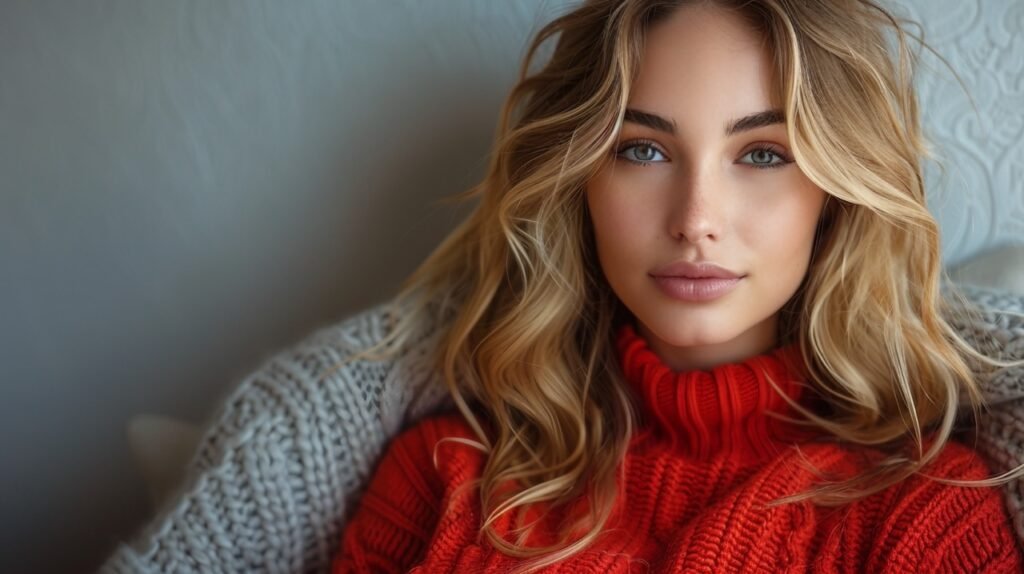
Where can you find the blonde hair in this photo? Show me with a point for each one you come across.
(526, 316)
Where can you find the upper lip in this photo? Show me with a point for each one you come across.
(696, 270)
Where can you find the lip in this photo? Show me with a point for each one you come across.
(697, 281)
(687, 289)
(696, 270)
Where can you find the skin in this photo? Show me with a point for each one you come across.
(702, 196)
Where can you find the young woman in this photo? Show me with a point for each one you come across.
(695, 322)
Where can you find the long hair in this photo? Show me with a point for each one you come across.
(526, 317)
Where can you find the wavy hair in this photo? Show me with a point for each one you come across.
(526, 317)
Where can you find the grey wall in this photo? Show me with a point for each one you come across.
(186, 187)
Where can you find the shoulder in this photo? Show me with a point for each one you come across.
(961, 457)
(941, 527)
(923, 501)
(431, 431)
(441, 449)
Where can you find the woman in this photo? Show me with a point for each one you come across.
(695, 322)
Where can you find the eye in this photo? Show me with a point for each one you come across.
(643, 152)
(762, 157)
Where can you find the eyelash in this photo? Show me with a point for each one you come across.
(761, 147)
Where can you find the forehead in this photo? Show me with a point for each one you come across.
(704, 65)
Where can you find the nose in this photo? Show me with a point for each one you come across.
(697, 209)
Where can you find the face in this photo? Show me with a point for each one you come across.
(695, 186)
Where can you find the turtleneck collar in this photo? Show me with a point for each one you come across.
(721, 411)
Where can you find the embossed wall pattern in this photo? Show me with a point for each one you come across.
(979, 200)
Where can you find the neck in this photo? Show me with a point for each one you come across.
(730, 409)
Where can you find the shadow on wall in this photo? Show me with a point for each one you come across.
(351, 220)
(394, 225)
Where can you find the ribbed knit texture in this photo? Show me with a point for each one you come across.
(696, 476)
(288, 452)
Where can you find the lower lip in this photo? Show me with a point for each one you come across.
(706, 289)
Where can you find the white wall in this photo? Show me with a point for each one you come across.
(979, 202)
(186, 187)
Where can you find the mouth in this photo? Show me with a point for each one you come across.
(696, 288)
(694, 270)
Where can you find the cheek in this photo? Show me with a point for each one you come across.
(618, 223)
(618, 234)
(785, 227)
(621, 224)
(601, 204)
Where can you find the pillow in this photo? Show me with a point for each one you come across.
(1001, 269)
(162, 447)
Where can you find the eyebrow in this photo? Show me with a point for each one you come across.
(746, 123)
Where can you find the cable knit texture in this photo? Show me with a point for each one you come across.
(696, 476)
(287, 454)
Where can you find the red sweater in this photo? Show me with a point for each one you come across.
(694, 473)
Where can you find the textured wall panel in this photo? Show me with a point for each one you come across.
(979, 200)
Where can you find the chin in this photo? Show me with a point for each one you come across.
(678, 333)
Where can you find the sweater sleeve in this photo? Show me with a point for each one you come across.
(399, 512)
(935, 527)
(998, 331)
(285, 459)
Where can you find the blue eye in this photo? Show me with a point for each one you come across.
(762, 156)
(645, 156)
(644, 153)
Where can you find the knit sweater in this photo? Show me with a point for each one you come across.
(287, 454)
(696, 475)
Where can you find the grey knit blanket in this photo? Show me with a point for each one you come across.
(286, 456)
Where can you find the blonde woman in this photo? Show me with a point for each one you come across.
(695, 322)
